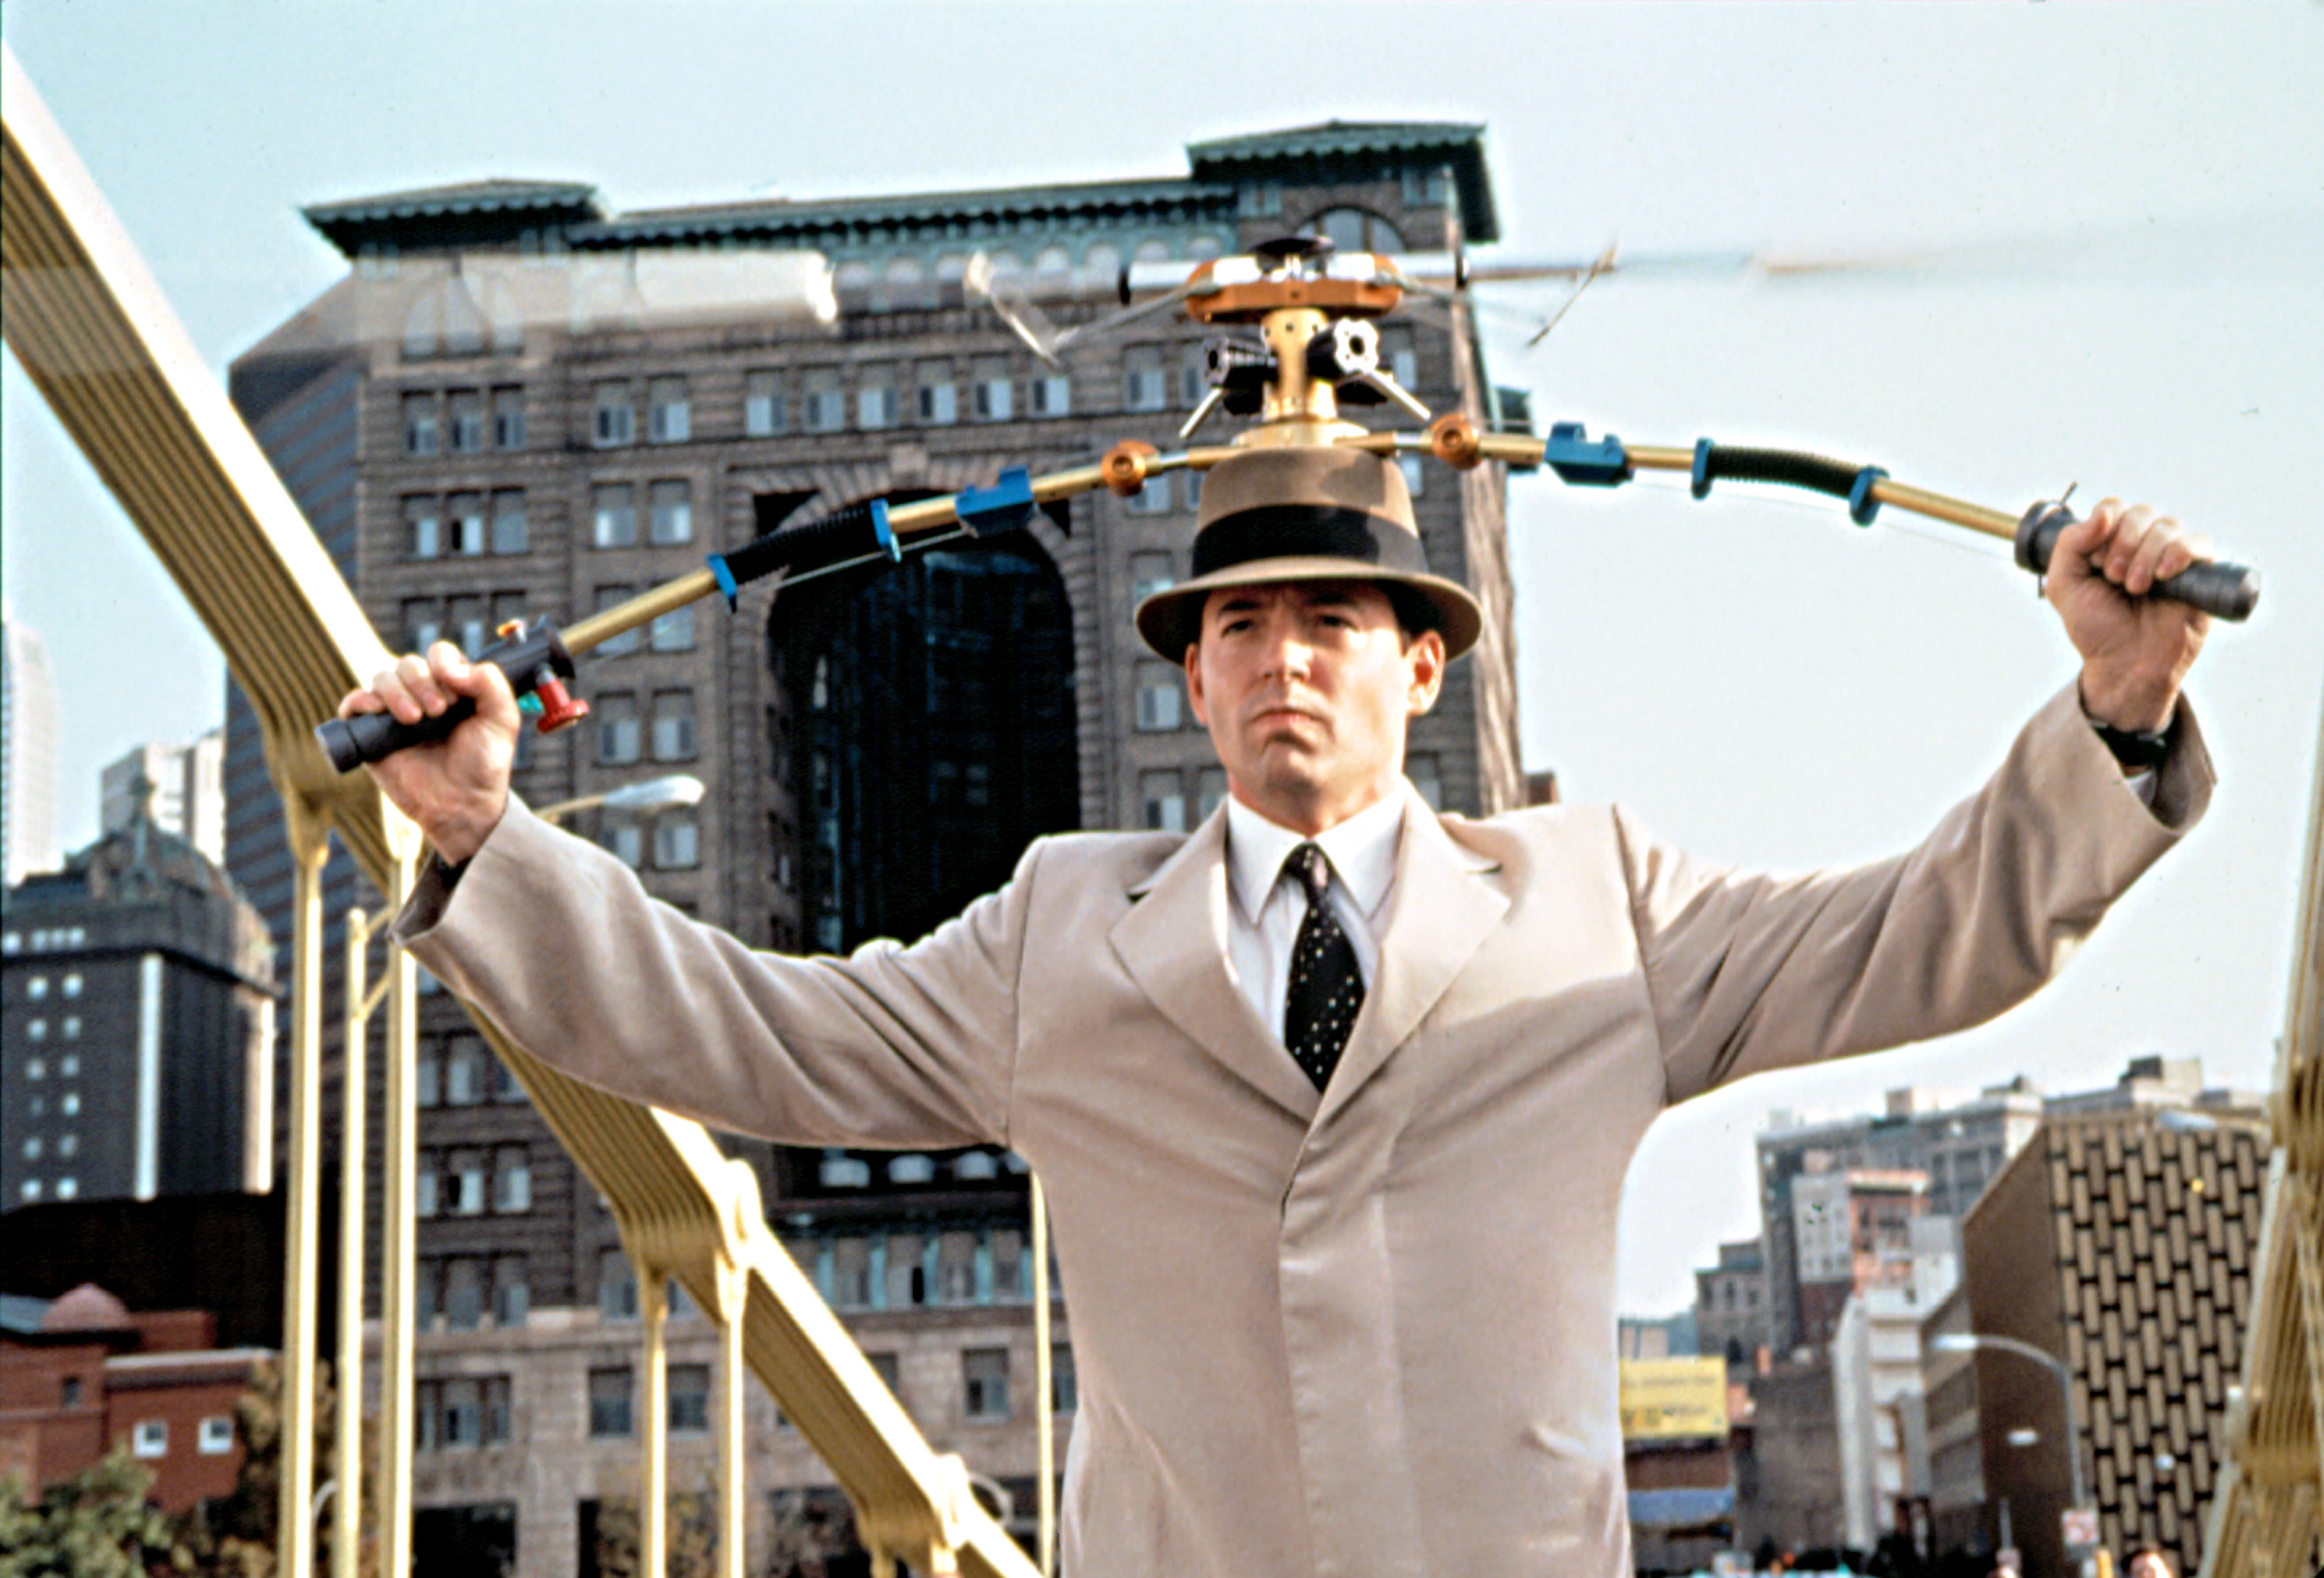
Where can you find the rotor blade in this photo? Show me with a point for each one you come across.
(1605, 261)
(1013, 305)
(1113, 320)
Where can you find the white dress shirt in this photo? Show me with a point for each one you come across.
(1263, 921)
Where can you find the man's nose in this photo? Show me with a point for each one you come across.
(1288, 651)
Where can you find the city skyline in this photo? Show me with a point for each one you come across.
(1865, 681)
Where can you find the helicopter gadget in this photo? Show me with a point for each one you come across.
(1297, 345)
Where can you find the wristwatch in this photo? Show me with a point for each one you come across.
(2138, 750)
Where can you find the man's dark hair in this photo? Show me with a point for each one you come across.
(1414, 613)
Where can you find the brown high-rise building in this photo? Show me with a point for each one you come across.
(2122, 1244)
(877, 747)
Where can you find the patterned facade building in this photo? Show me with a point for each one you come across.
(877, 748)
(2122, 1243)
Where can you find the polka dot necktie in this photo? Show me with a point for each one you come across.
(1326, 987)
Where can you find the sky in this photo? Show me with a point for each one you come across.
(2098, 233)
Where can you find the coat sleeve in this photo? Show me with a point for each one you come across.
(891, 1047)
(1751, 971)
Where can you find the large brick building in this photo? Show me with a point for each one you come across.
(878, 749)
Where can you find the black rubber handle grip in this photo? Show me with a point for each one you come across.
(373, 736)
(2224, 591)
(528, 655)
(858, 532)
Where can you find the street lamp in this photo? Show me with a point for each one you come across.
(643, 798)
(1969, 1341)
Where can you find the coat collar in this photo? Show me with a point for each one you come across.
(1174, 943)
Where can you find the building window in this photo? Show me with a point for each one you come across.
(1159, 696)
(690, 1399)
(30, 1188)
(512, 1179)
(957, 1267)
(1194, 376)
(1399, 357)
(614, 516)
(617, 1286)
(764, 413)
(985, 1374)
(626, 842)
(422, 432)
(825, 407)
(507, 418)
(875, 398)
(69, 1027)
(995, 390)
(673, 513)
(670, 419)
(851, 1273)
(151, 1438)
(464, 1294)
(1162, 796)
(68, 1392)
(678, 842)
(70, 986)
(614, 422)
(36, 989)
(1010, 1269)
(1143, 385)
(467, 427)
(673, 725)
(465, 522)
(1356, 230)
(423, 529)
(613, 596)
(609, 1402)
(1065, 1390)
(1153, 499)
(616, 716)
(512, 1291)
(1425, 187)
(673, 632)
(427, 1077)
(1053, 395)
(69, 1066)
(215, 1437)
(463, 1403)
(939, 396)
(511, 532)
(1416, 475)
(907, 1281)
(1258, 199)
(425, 1201)
(464, 1060)
(839, 1170)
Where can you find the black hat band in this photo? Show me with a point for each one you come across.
(1307, 532)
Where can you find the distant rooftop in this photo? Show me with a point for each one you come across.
(559, 215)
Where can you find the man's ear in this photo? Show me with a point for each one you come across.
(1425, 657)
(1194, 698)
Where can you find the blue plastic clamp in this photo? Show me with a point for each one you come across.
(1004, 506)
(885, 535)
(717, 562)
(1580, 460)
(1701, 484)
(1861, 506)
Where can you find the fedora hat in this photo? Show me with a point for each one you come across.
(1305, 512)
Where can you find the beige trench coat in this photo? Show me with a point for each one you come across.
(1366, 1331)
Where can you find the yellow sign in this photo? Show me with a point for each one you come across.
(1665, 1399)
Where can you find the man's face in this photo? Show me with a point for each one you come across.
(1305, 688)
(2147, 1564)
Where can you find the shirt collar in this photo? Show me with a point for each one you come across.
(1361, 850)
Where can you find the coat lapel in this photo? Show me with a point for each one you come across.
(1439, 912)
(1174, 943)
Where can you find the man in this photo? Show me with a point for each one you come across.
(1332, 1097)
(2148, 1561)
